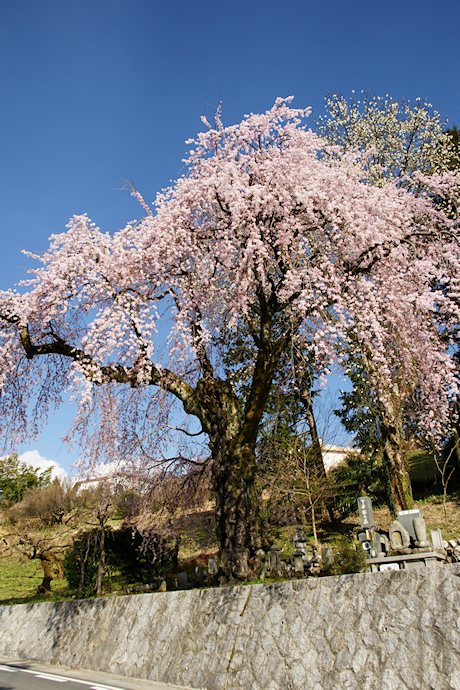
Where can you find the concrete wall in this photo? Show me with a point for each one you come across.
(374, 630)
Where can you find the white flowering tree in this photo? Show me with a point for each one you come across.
(399, 138)
(264, 241)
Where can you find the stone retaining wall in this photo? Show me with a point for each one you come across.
(383, 630)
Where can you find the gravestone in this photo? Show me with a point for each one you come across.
(182, 580)
(421, 540)
(366, 514)
(406, 518)
(381, 544)
(298, 556)
(300, 544)
(274, 559)
(314, 565)
(436, 540)
(212, 565)
(399, 537)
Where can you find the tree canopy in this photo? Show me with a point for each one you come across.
(269, 238)
(16, 477)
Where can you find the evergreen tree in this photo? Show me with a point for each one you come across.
(16, 477)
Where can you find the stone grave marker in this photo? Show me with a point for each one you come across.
(182, 580)
(274, 558)
(421, 541)
(436, 540)
(406, 519)
(399, 537)
(298, 556)
(212, 565)
(301, 544)
(366, 514)
(381, 544)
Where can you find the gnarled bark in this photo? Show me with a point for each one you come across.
(232, 444)
(48, 562)
(45, 585)
(395, 461)
(237, 530)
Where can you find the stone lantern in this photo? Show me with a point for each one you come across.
(298, 557)
(274, 559)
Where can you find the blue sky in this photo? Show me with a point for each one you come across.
(95, 92)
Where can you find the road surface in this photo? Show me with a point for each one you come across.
(28, 675)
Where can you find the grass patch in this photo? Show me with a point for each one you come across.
(422, 468)
(19, 580)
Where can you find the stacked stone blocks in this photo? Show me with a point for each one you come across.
(391, 630)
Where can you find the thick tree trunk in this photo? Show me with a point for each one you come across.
(395, 461)
(233, 428)
(232, 443)
(236, 519)
(45, 586)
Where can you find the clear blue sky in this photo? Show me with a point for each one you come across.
(97, 91)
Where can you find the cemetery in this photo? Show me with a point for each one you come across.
(404, 546)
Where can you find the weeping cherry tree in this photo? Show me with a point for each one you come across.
(265, 241)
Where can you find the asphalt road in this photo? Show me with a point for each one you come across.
(29, 675)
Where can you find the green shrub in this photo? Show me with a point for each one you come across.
(359, 475)
(16, 477)
(81, 561)
(126, 551)
(137, 558)
(348, 560)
